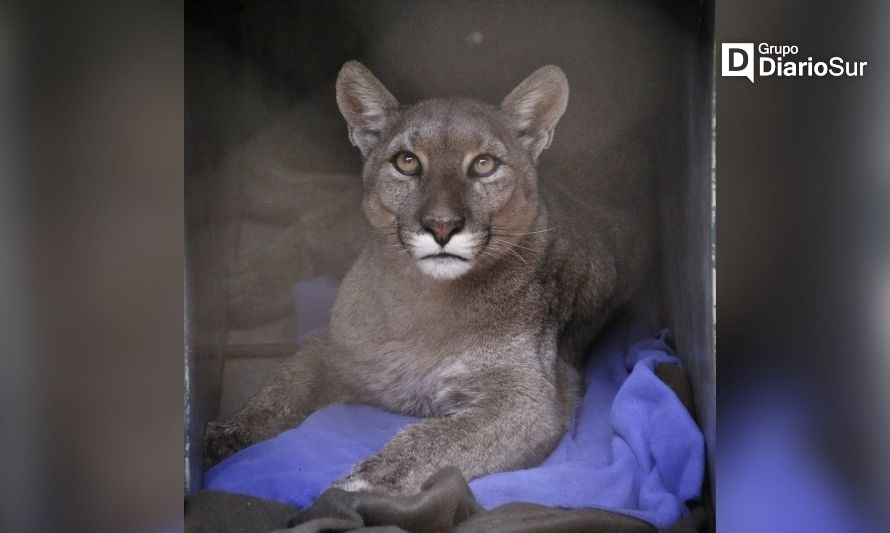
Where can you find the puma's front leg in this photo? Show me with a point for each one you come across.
(298, 387)
(514, 425)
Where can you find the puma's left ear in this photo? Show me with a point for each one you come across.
(536, 105)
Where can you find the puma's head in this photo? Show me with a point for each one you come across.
(451, 181)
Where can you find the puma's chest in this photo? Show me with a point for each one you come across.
(415, 352)
(398, 377)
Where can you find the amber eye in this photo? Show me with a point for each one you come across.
(484, 165)
(406, 163)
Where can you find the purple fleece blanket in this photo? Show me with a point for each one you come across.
(633, 449)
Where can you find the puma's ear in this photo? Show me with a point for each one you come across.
(535, 107)
(365, 104)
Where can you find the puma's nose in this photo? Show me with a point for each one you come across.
(443, 229)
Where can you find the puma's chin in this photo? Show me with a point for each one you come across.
(449, 261)
(444, 266)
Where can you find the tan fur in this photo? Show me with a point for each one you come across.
(485, 345)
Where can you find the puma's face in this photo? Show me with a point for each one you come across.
(446, 177)
(451, 182)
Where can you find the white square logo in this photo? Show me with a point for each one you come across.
(738, 60)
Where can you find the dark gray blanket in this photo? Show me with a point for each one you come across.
(445, 504)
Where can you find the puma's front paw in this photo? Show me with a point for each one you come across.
(352, 484)
(221, 440)
(381, 476)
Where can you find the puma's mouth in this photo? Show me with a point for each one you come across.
(444, 265)
(444, 255)
(450, 261)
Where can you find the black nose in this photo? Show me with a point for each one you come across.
(443, 228)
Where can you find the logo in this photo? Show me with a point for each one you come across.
(738, 60)
(778, 61)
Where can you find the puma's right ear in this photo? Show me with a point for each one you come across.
(536, 105)
(365, 104)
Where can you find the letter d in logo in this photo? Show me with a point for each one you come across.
(738, 60)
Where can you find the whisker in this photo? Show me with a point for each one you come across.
(519, 234)
(510, 250)
(517, 245)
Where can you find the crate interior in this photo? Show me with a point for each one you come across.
(273, 188)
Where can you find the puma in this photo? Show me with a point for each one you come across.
(475, 300)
